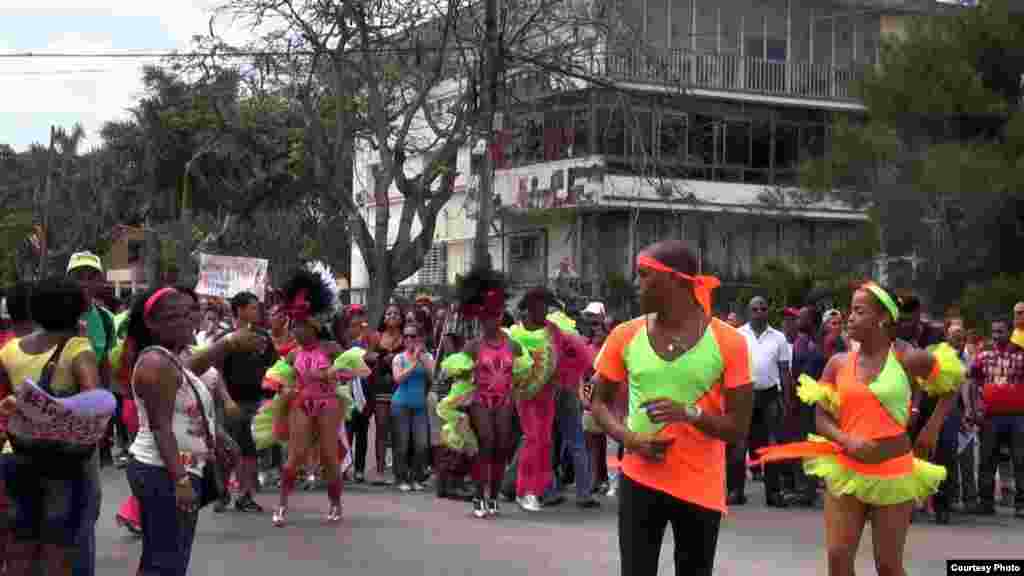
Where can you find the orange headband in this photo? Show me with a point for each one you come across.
(702, 285)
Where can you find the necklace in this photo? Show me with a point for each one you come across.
(676, 342)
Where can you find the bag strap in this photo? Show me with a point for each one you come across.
(51, 366)
(207, 435)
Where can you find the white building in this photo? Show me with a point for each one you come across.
(701, 139)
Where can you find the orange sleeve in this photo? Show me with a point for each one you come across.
(735, 355)
(610, 363)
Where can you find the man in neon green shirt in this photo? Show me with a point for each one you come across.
(98, 324)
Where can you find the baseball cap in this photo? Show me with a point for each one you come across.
(596, 308)
(791, 312)
(85, 260)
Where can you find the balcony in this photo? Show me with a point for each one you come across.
(729, 72)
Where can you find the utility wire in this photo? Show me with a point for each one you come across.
(230, 53)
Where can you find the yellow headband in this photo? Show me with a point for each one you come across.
(885, 299)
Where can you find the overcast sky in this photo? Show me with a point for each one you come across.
(39, 92)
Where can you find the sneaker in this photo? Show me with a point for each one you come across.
(359, 477)
(405, 487)
(222, 505)
(479, 508)
(530, 503)
(280, 516)
(245, 503)
(588, 503)
(417, 487)
(493, 508)
(334, 513)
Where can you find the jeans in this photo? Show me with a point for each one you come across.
(412, 432)
(570, 421)
(85, 564)
(644, 513)
(995, 431)
(167, 533)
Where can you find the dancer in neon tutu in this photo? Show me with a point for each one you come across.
(485, 375)
(866, 456)
(315, 409)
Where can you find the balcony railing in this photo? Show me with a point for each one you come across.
(734, 73)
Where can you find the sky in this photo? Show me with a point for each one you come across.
(41, 92)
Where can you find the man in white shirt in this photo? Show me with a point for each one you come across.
(771, 355)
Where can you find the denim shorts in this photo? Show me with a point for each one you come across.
(42, 509)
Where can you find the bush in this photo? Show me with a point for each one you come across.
(983, 301)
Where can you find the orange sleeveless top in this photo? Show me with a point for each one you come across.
(862, 415)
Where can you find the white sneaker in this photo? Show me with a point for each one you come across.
(417, 487)
(530, 503)
(405, 487)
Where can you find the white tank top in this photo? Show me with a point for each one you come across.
(187, 421)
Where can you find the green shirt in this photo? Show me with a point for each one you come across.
(98, 334)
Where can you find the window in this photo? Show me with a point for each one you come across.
(581, 132)
(754, 47)
(435, 266)
(533, 139)
(701, 141)
(761, 153)
(737, 143)
(640, 129)
(812, 141)
(672, 137)
(612, 139)
(556, 134)
(787, 144)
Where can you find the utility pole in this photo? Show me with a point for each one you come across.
(44, 208)
(488, 100)
(185, 242)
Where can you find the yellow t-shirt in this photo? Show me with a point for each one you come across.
(1018, 337)
(20, 366)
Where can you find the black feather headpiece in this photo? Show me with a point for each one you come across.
(307, 295)
(482, 291)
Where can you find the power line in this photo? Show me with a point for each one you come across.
(231, 54)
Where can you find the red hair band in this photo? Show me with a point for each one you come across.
(147, 309)
(702, 285)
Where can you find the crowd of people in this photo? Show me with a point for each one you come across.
(875, 411)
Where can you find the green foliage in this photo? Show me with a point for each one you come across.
(15, 227)
(983, 301)
(939, 153)
(785, 284)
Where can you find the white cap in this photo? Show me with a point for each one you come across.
(595, 308)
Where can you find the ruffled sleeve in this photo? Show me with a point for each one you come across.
(563, 322)
(534, 368)
(813, 392)
(344, 392)
(456, 432)
(280, 376)
(353, 361)
(947, 374)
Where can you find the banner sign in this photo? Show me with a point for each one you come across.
(225, 276)
(80, 419)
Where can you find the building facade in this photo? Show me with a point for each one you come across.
(697, 134)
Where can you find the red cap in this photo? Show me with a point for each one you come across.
(791, 312)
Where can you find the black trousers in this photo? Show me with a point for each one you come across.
(945, 448)
(996, 431)
(359, 436)
(644, 514)
(765, 430)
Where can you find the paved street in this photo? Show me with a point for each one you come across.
(388, 534)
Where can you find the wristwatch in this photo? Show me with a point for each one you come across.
(693, 413)
(183, 481)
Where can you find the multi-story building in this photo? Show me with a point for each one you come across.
(697, 133)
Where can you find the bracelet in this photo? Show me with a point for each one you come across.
(693, 413)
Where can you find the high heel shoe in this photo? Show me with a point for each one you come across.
(280, 516)
(334, 513)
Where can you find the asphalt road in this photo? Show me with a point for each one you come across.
(390, 534)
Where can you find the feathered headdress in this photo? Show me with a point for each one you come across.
(306, 295)
(482, 292)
